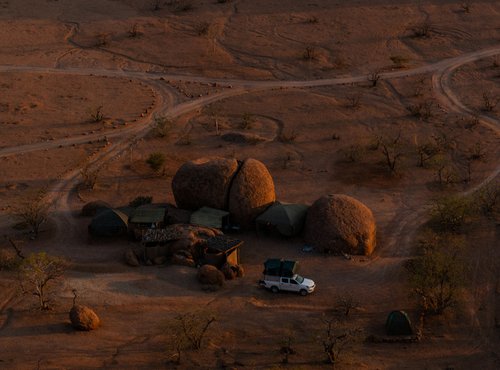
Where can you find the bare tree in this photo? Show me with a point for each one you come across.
(33, 212)
(162, 126)
(335, 340)
(187, 331)
(36, 273)
(392, 150)
(346, 303)
(437, 276)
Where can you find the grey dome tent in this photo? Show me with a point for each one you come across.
(287, 218)
(110, 222)
(398, 323)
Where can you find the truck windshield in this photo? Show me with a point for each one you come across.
(299, 279)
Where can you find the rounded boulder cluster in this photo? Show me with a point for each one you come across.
(245, 189)
(341, 224)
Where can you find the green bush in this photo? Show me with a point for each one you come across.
(450, 213)
(156, 161)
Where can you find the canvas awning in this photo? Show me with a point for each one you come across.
(209, 217)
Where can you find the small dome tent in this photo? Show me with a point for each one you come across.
(398, 323)
(110, 222)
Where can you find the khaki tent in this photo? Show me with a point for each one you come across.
(110, 222)
(287, 218)
(210, 217)
(398, 323)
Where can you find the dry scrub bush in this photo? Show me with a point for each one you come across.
(346, 303)
(353, 100)
(450, 213)
(399, 60)
(422, 110)
(33, 212)
(353, 153)
(489, 102)
(392, 149)
(423, 30)
(96, 114)
(336, 339)
(37, 272)
(374, 78)
(134, 31)
(202, 28)
(187, 331)
(162, 126)
(310, 53)
(156, 161)
(89, 176)
(437, 276)
(488, 198)
(247, 120)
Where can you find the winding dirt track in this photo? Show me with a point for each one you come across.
(442, 72)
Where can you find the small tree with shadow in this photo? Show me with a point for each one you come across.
(33, 212)
(187, 331)
(162, 126)
(335, 340)
(36, 274)
(392, 149)
(450, 213)
(346, 303)
(437, 276)
(96, 114)
(374, 78)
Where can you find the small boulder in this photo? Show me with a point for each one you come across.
(131, 259)
(229, 271)
(210, 275)
(84, 318)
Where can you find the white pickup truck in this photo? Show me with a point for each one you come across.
(296, 283)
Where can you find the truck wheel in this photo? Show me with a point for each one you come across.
(274, 289)
(303, 292)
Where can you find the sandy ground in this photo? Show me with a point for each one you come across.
(295, 77)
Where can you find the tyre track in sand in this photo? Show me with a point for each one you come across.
(399, 242)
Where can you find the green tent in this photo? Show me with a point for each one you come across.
(210, 217)
(398, 323)
(109, 222)
(287, 218)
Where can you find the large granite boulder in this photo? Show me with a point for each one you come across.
(341, 224)
(204, 182)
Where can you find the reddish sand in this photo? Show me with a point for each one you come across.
(294, 78)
